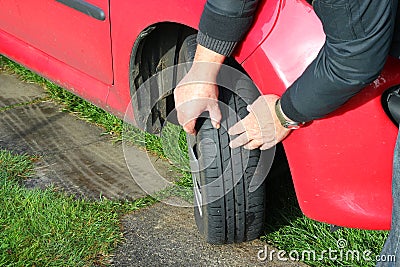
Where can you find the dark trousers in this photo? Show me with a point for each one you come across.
(390, 255)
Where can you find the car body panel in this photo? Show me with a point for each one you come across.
(128, 23)
(341, 165)
(64, 75)
(64, 33)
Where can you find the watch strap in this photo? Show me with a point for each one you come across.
(289, 124)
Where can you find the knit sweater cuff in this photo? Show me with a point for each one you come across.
(290, 111)
(221, 47)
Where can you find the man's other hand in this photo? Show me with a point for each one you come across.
(261, 127)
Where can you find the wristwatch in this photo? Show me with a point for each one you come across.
(286, 122)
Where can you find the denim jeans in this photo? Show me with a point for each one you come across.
(392, 244)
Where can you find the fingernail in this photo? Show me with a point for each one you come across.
(217, 126)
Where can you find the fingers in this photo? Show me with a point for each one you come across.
(239, 141)
(251, 133)
(215, 115)
(253, 144)
(189, 127)
(260, 128)
(188, 119)
(192, 98)
(267, 146)
(239, 129)
(236, 129)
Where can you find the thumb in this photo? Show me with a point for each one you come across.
(215, 115)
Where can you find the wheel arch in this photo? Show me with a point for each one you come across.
(156, 48)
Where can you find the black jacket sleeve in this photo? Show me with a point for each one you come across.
(224, 23)
(358, 38)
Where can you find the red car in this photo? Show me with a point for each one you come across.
(103, 50)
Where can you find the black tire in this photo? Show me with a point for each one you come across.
(229, 198)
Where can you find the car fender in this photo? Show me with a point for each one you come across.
(341, 165)
(130, 19)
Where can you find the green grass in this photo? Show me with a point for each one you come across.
(171, 146)
(303, 234)
(290, 230)
(69, 101)
(48, 228)
(287, 228)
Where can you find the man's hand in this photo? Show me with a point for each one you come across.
(198, 92)
(193, 96)
(261, 127)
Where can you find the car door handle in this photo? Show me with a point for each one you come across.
(85, 7)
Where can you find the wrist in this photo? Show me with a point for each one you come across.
(204, 54)
(206, 65)
(284, 120)
(203, 72)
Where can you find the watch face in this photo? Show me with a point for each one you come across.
(293, 127)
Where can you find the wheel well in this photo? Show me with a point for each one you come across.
(156, 48)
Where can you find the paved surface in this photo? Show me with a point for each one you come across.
(14, 91)
(75, 157)
(163, 235)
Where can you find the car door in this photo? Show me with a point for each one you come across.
(76, 32)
